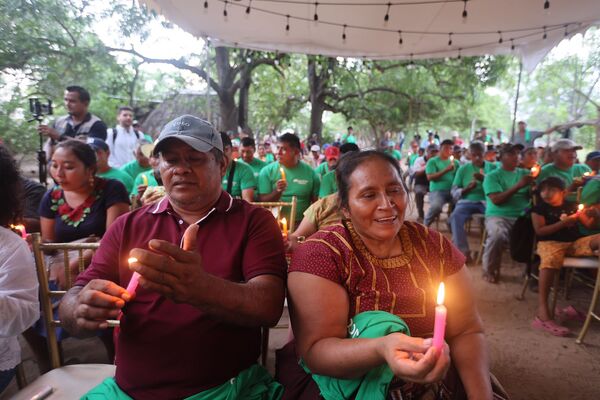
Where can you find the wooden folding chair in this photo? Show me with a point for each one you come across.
(276, 208)
(71, 381)
(592, 308)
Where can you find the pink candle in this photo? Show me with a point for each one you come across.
(440, 319)
(133, 282)
(20, 228)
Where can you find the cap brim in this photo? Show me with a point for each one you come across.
(194, 143)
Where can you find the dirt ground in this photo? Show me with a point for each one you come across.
(530, 364)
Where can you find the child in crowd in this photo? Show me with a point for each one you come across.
(555, 222)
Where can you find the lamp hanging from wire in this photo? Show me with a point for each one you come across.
(500, 40)
(205, 3)
(512, 44)
(546, 4)
(225, 9)
(400, 41)
(465, 13)
(249, 6)
(450, 39)
(344, 34)
(459, 55)
(566, 30)
(316, 16)
(287, 23)
(387, 13)
(545, 33)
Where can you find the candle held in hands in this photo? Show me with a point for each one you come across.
(440, 319)
(284, 228)
(535, 170)
(282, 173)
(133, 282)
(21, 229)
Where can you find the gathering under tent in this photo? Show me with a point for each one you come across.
(386, 30)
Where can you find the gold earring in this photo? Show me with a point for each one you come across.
(91, 180)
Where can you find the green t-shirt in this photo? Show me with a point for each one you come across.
(436, 164)
(139, 180)
(500, 180)
(412, 158)
(302, 182)
(119, 175)
(394, 153)
(133, 169)
(590, 195)
(576, 171)
(269, 158)
(243, 178)
(464, 176)
(256, 165)
(328, 185)
(322, 169)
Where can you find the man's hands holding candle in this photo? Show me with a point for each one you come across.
(172, 271)
(98, 301)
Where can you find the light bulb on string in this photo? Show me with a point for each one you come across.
(249, 6)
(225, 9)
(566, 30)
(316, 16)
(464, 13)
(387, 13)
(205, 4)
(450, 39)
(287, 24)
(400, 41)
(545, 34)
(512, 44)
(344, 34)
(459, 55)
(547, 6)
(500, 40)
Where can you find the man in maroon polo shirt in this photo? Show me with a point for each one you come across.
(194, 321)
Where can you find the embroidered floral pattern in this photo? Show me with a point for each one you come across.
(75, 216)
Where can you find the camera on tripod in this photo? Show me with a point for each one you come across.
(38, 109)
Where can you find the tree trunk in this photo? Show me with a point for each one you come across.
(316, 119)
(229, 112)
(319, 73)
(243, 100)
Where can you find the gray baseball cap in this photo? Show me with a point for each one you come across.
(565, 144)
(195, 132)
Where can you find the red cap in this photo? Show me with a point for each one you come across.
(332, 152)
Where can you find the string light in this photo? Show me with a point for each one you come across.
(316, 16)
(287, 23)
(545, 33)
(450, 39)
(248, 8)
(566, 30)
(400, 41)
(464, 13)
(344, 34)
(546, 4)
(411, 59)
(512, 44)
(387, 13)
(205, 3)
(459, 56)
(500, 40)
(225, 9)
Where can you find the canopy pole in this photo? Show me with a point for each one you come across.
(514, 122)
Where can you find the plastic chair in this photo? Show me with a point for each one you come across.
(71, 381)
(276, 207)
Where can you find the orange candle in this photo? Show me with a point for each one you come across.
(284, 228)
(282, 173)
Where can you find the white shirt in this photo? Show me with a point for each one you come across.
(19, 305)
(122, 150)
(418, 165)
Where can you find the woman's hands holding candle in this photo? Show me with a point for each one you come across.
(414, 359)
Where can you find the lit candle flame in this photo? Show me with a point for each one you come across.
(586, 174)
(21, 229)
(282, 173)
(580, 207)
(440, 295)
(131, 260)
(284, 228)
(451, 158)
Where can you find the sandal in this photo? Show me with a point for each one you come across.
(569, 313)
(550, 326)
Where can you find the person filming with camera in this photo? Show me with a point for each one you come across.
(77, 122)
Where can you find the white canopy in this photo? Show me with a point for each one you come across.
(358, 28)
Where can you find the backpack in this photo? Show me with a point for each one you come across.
(522, 239)
(138, 134)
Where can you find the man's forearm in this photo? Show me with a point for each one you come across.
(275, 195)
(437, 175)
(247, 304)
(503, 197)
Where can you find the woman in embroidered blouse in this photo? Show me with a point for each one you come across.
(81, 204)
(374, 260)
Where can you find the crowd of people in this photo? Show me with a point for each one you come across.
(362, 281)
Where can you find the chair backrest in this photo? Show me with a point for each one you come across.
(46, 295)
(276, 206)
